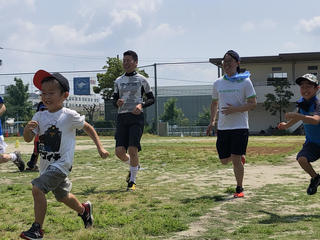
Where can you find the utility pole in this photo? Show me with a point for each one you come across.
(156, 99)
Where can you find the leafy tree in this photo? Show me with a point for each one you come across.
(90, 110)
(278, 102)
(172, 114)
(204, 117)
(106, 80)
(16, 101)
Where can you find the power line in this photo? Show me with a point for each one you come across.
(54, 54)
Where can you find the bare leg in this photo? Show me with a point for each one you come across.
(121, 153)
(40, 205)
(238, 169)
(306, 166)
(5, 158)
(134, 159)
(72, 202)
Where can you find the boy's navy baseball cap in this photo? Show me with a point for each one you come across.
(309, 77)
(42, 74)
(233, 54)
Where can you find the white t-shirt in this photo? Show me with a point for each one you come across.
(130, 89)
(57, 133)
(236, 94)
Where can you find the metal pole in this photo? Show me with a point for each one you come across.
(156, 99)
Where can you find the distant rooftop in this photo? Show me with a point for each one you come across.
(282, 57)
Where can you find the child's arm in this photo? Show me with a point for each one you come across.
(315, 119)
(94, 136)
(28, 134)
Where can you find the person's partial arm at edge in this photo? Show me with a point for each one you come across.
(213, 114)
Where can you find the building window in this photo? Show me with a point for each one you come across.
(274, 77)
(312, 68)
(276, 69)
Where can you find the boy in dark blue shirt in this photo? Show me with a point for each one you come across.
(309, 113)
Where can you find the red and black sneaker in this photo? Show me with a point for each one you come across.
(87, 214)
(239, 192)
(35, 232)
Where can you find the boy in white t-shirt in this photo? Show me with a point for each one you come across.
(56, 128)
(233, 95)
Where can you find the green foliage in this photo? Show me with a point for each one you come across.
(16, 101)
(278, 102)
(204, 117)
(106, 80)
(172, 114)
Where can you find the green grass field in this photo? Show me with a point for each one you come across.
(181, 194)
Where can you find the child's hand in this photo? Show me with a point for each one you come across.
(282, 125)
(103, 153)
(31, 125)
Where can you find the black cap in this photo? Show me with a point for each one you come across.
(42, 74)
(233, 54)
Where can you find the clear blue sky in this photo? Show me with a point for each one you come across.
(65, 35)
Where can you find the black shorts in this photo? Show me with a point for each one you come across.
(233, 141)
(129, 130)
(310, 151)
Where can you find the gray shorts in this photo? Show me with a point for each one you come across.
(53, 179)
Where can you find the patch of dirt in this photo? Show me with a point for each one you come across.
(255, 177)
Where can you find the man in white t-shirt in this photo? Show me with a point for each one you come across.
(56, 128)
(233, 96)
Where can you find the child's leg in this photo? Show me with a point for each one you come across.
(40, 205)
(306, 166)
(5, 158)
(72, 202)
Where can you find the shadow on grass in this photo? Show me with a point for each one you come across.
(274, 218)
(215, 198)
(92, 190)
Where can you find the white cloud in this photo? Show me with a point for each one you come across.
(290, 46)
(65, 35)
(311, 25)
(124, 15)
(248, 27)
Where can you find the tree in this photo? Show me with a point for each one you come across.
(16, 101)
(172, 114)
(280, 101)
(204, 117)
(90, 109)
(106, 80)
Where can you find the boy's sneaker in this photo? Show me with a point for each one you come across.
(19, 162)
(131, 186)
(129, 175)
(314, 183)
(87, 214)
(239, 192)
(35, 232)
(243, 159)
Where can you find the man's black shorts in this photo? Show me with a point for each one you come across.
(129, 130)
(232, 141)
(310, 151)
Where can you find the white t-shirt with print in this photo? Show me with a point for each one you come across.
(57, 133)
(236, 94)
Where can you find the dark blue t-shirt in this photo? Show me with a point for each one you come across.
(312, 108)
